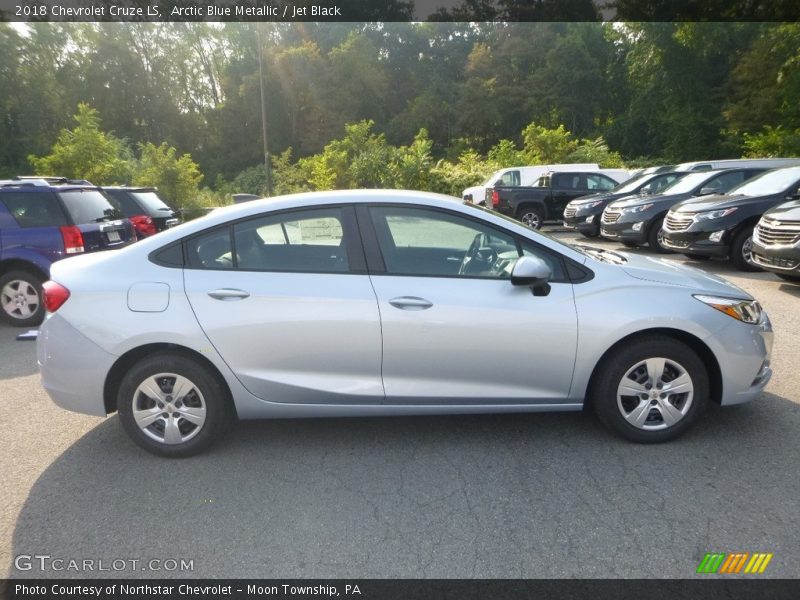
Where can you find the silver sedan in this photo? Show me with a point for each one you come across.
(359, 303)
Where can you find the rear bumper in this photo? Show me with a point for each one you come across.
(73, 367)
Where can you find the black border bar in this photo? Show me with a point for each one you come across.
(398, 10)
(730, 588)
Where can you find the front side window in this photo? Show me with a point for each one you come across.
(415, 241)
(34, 209)
(569, 181)
(510, 178)
(600, 182)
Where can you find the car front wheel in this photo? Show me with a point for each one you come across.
(172, 406)
(651, 390)
(742, 251)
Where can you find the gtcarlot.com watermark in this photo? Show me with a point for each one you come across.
(45, 562)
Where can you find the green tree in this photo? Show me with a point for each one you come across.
(177, 177)
(86, 152)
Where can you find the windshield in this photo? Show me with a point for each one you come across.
(88, 206)
(630, 186)
(771, 182)
(688, 183)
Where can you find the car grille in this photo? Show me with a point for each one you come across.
(777, 233)
(678, 221)
(611, 215)
(670, 243)
(570, 212)
(772, 261)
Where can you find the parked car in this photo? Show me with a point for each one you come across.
(722, 225)
(243, 312)
(584, 213)
(637, 221)
(144, 207)
(738, 163)
(519, 176)
(546, 201)
(43, 221)
(776, 241)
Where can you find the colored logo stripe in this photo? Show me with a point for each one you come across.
(720, 562)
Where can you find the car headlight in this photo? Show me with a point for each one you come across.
(747, 311)
(637, 209)
(713, 214)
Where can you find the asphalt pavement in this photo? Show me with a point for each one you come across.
(531, 496)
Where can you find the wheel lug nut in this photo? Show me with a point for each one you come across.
(160, 405)
(645, 396)
(653, 403)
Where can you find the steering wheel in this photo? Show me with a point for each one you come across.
(477, 255)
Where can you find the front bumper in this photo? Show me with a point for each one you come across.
(73, 367)
(778, 259)
(696, 242)
(577, 220)
(623, 231)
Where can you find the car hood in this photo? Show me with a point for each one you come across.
(591, 198)
(660, 270)
(789, 211)
(475, 190)
(638, 199)
(718, 201)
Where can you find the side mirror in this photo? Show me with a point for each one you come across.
(532, 272)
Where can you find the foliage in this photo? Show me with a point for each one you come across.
(772, 142)
(86, 152)
(177, 177)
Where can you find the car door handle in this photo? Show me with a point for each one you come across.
(228, 294)
(410, 303)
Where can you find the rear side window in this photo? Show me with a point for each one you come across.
(212, 250)
(600, 182)
(125, 203)
(88, 206)
(34, 209)
(569, 181)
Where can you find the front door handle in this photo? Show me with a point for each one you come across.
(228, 294)
(410, 303)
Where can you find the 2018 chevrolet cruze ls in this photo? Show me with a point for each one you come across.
(357, 303)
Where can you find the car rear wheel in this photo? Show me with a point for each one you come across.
(655, 238)
(742, 251)
(651, 390)
(172, 406)
(21, 299)
(531, 216)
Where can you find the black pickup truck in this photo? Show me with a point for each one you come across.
(533, 205)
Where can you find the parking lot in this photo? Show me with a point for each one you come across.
(508, 496)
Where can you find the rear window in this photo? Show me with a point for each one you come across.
(88, 206)
(34, 209)
(151, 201)
(125, 203)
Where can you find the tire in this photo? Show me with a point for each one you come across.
(696, 256)
(787, 277)
(630, 244)
(654, 236)
(741, 251)
(649, 420)
(147, 389)
(531, 216)
(21, 299)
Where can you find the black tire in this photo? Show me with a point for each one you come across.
(530, 215)
(612, 372)
(739, 248)
(696, 256)
(630, 244)
(206, 391)
(654, 235)
(19, 285)
(787, 277)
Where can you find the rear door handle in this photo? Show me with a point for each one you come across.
(228, 294)
(410, 303)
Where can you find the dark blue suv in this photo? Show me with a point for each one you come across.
(43, 220)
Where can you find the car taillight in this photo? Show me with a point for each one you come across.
(495, 198)
(73, 239)
(55, 295)
(144, 225)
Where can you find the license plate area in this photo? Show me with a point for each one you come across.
(113, 236)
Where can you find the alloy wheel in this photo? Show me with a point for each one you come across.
(19, 299)
(531, 219)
